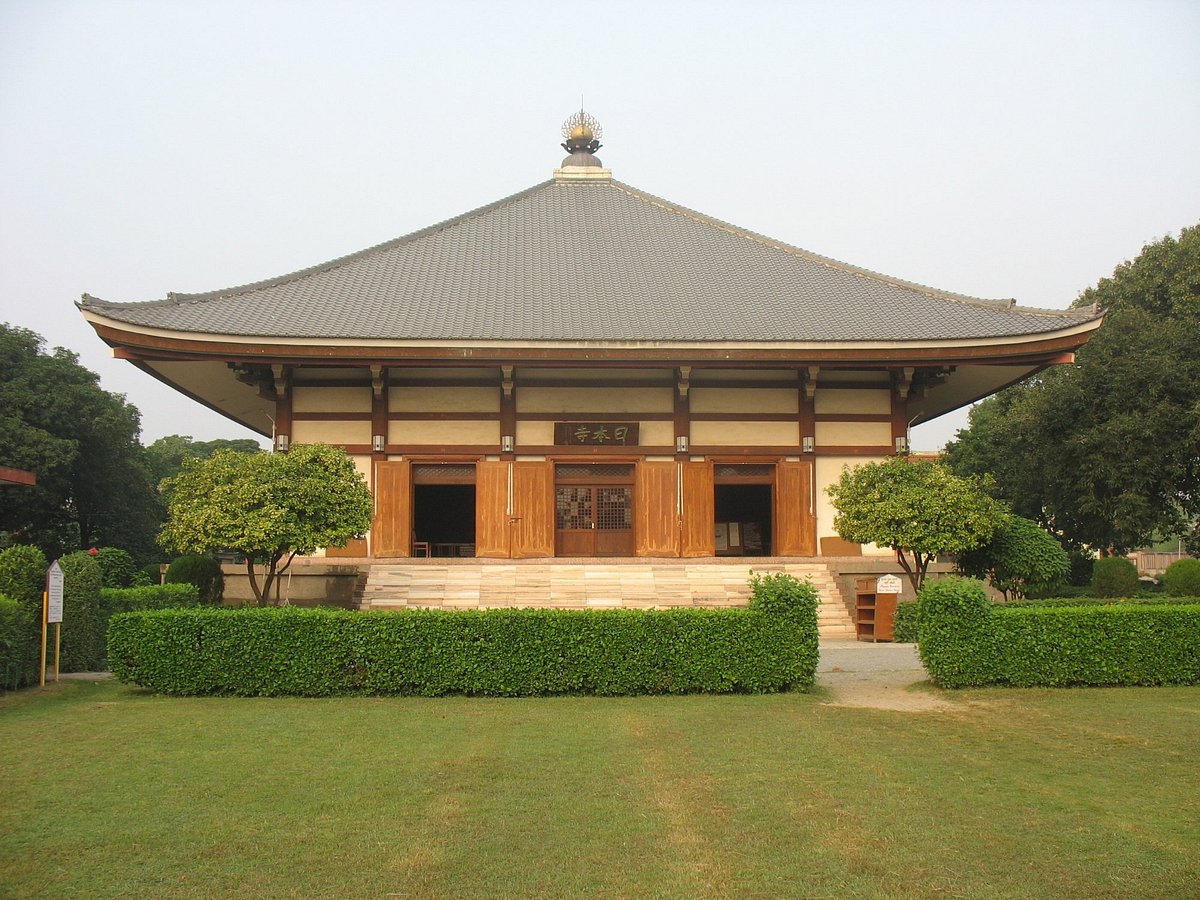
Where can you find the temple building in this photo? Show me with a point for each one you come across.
(584, 369)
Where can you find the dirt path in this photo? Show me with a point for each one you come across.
(876, 676)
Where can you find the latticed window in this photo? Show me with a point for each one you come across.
(614, 508)
(589, 472)
(738, 470)
(573, 508)
(436, 473)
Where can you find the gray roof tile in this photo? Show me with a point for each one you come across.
(588, 261)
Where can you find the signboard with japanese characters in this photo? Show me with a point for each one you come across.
(596, 434)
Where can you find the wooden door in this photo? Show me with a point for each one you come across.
(533, 509)
(391, 532)
(656, 511)
(491, 509)
(795, 517)
(575, 520)
(696, 536)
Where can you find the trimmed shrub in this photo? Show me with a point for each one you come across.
(1114, 576)
(117, 568)
(151, 596)
(953, 637)
(82, 626)
(906, 622)
(1182, 578)
(202, 571)
(267, 651)
(13, 638)
(151, 574)
(23, 579)
(1022, 556)
(967, 642)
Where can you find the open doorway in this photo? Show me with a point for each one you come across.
(742, 509)
(443, 510)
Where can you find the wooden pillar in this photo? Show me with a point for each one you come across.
(683, 409)
(283, 402)
(508, 409)
(379, 410)
(902, 381)
(808, 395)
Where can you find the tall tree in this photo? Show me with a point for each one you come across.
(1107, 452)
(93, 486)
(166, 455)
(267, 506)
(917, 507)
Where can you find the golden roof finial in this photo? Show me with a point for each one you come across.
(581, 132)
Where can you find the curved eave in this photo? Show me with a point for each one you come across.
(197, 364)
(160, 343)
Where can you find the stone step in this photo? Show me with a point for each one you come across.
(589, 585)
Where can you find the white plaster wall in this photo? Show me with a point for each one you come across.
(331, 432)
(748, 400)
(750, 434)
(451, 431)
(853, 434)
(656, 434)
(594, 400)
(331, 399)
(538, 434)
(852, 400)
(444, 399)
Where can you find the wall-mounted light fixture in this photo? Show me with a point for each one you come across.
(378, 443)
(681, 444)
(507, 443)
(901, 445)
(281, 443)
(808, 443)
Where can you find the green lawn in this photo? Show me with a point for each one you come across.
(107, 791)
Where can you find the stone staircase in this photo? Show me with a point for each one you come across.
(591, 584)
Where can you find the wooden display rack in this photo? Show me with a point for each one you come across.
(874, 613)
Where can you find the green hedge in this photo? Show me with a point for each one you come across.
(13, 640)
(1182, 578)
(908, 616)
(150, 596)
(966, 641)
(250, 651)
(906, 622)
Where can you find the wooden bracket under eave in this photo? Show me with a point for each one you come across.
(281, 375)
(378, 380)
(506, 380)
(902, 380)
(684, 382)
(808, 380)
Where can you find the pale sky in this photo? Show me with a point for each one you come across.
(1015, 149)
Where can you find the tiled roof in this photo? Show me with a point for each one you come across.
(588, 261)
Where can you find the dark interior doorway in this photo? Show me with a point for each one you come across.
(743, 519)
(444, 510)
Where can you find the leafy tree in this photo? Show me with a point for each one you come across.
(917, 507)
(165, 456)
(268, 506)
(93, 488)
(1020, 557)
(1104, 452)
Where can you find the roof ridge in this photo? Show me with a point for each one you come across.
(830, 262)
(174, 298)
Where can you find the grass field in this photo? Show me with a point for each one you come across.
(107, 791)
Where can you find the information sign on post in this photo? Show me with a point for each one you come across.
(888, 584)
(54, 592)
(52, 612)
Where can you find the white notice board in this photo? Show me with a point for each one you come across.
(54, 593)
(887, 584)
